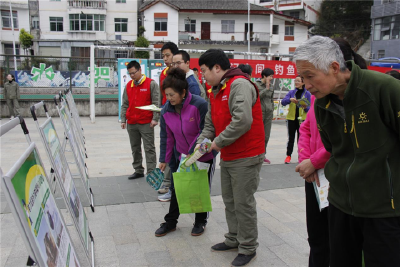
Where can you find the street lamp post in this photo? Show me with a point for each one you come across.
(12, 29)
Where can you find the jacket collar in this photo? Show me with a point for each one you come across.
(189, 73)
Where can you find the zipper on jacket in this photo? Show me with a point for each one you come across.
(390, 182)
(180, 117)
(353, 129)
(348, 185)
(345, 126)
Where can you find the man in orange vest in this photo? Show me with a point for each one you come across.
(141, 91)
(234, 123)
(168, 50)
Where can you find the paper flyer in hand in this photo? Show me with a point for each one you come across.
(303, 102)
(321, 191)
(150, 108)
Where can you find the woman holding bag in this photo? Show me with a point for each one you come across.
(181, 122)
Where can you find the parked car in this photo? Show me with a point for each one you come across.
(394, 64)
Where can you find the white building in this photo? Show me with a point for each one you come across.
(20, 14)
(69, 27)
(307, 10)
(204, 24)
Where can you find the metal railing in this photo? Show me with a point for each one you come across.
(99, 4)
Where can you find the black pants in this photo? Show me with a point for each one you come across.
(292, 127)
(173, 214)
(318, 230)
(379, 238)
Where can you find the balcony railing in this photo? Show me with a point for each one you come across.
(99, 4)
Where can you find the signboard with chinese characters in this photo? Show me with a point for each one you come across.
(282, 69)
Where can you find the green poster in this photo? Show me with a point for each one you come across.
(64, 174)
(41, 213)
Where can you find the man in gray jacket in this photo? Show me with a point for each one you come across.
(267, 103)
(12, 94)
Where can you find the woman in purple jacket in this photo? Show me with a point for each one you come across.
(181, 122)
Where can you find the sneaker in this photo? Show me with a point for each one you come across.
(166, 197)
(243, 260)
(164, 229)
(222, 247)
(163, 189)
(287, 160)
(267, 161)
(198, 228)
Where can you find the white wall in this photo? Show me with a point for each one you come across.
(173, 20)
(300, 35)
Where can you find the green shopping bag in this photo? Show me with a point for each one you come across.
(192, 190)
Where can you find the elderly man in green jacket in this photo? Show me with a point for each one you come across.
(11, 94)
(358, 116)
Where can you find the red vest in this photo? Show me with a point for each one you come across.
(163, 75)
(250, 144)
(139, 95)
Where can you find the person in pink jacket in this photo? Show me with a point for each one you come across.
(312, 157)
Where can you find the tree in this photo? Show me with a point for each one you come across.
(350, 20)
(25, 40)
(141, 41)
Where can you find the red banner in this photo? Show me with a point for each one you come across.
(380, 69)
(282, 69)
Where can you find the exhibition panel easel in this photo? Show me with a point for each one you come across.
(33, 206)
(62, 172)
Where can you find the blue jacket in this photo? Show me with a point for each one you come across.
(182, 129)
(292, 107)
(194, 88)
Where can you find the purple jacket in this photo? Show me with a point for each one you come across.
(182, 129)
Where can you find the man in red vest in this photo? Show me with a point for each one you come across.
(168, 50)
(234, 123)
(141, 91)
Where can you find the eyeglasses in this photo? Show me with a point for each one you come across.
(133, 73)
(176, 63)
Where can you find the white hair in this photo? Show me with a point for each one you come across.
(321, 52)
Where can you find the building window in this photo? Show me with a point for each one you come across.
(56, 24)
(160, 24)
(6, 19)
(227, 26)
(381, 53)
(190, 25)
(83, 22)
(9, 49)
(275, 29)
(387, 28)
(121, 1)
(295, 14)
(121, 54)
(157, 55)
(121, 25)
(35, 23)
(80, 51)
(289, 28)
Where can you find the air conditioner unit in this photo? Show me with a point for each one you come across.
(118, 37)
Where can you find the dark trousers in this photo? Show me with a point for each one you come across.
(292, 128)
(379, 238)
(318, 230)
(173, 214)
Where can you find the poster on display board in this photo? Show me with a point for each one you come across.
(124, 78)
(63, 173)
(33, 203)
(156, 66)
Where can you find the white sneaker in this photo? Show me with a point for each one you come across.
(166, 197)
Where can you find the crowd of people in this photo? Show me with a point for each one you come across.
(347, 121)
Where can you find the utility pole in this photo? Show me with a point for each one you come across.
(12, 28)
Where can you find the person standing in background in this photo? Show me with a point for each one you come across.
(267, 103)
(296, 113)
(141, 91)
(12, 94)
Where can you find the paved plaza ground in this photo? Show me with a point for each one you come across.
(127, 212)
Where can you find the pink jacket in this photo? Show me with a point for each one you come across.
(310, 145)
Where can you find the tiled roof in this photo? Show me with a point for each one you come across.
(207, 4)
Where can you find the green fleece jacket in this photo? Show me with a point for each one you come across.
(364, 168)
